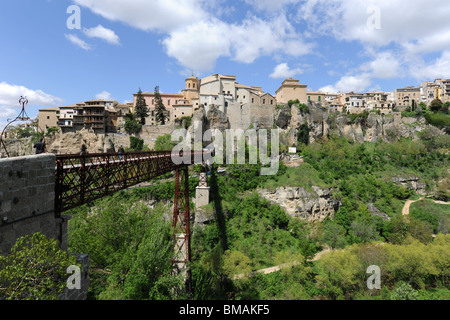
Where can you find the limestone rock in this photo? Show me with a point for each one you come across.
(217, 119)
(411, 183)
(296, 201)
(284, 117)
(375, 212)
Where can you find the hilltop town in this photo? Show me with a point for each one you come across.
(221, 102)
(225, 93)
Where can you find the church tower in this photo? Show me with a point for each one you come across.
(192, 91)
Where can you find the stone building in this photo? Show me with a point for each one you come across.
(291, 89)
(48, 118)
(404, 97)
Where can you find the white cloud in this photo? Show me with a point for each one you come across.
(10, 95)
(256, 37)
(401, 21)
(196, 37)
(104, 95)
(282, 71)
(199, 45)
(439, 68)
(358, 83)
(78, 42)
(102, 33)
(385, 66)
(155, 15)
(409, 30)
(270, 5)
(9, 100)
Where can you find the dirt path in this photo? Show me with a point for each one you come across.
(405, 210)
(282, 266)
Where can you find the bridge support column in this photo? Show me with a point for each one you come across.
(202, 192)
(181, 227)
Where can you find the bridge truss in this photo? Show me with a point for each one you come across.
(81, 179)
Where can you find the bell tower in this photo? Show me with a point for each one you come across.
(192, 90)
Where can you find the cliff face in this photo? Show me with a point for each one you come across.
(372, 128)
(289, 120)
(297, 202)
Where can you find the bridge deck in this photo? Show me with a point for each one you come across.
(82, 179)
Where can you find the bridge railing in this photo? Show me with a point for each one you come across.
(83, 178)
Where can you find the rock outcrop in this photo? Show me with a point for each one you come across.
(375, 212)
(370, 128)
(297, 202)
(411, 183)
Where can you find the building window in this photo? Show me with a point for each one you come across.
(168, 102)
(48, 117)
(253, 100)
(320, 98)
(193, 85)
(264, 101)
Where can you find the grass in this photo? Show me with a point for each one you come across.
(304, 176)
(437, 215)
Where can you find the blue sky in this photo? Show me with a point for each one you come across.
(330, 45)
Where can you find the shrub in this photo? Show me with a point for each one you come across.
(136, 143)
(35, 269)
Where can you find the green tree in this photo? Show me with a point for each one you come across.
(35, 269)
(161, 111)
(364, 231)
(436, 105)
(141, 109)
(131, 125)
(164, 143)
(404, 291)
(136, 144)
(334, 235)
(132, 242)
(303, 134)
(236, 263)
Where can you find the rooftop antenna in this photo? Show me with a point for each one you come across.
(23, 116)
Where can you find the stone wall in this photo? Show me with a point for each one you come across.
(150, 133)
(244, 116)
(27, 200)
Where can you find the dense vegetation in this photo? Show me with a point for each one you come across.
(130, 244)
(130, 248)
(35, 269)
(250, 234)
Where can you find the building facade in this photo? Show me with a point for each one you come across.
(404, 97)
(48, 118)
(291, 89)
